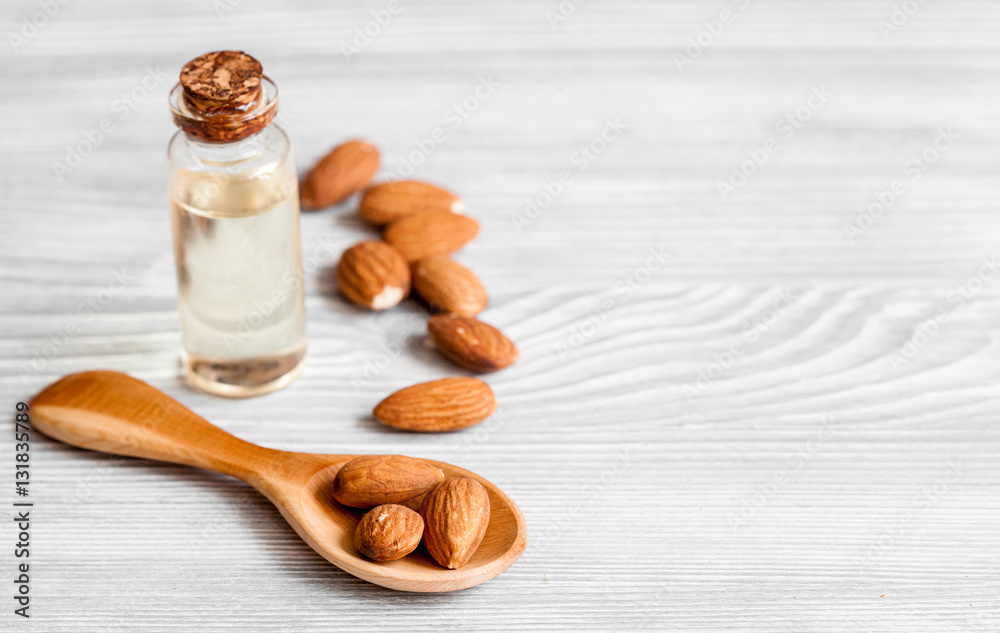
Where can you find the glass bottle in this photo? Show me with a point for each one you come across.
(234, 207)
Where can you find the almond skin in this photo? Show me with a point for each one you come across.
(388, 532)
(389, 201)
(374, 275)
(456, 514)
(371, 480)
(429, 233)
(345, 170)
(447, 286)
(440, 405)
(470, 343)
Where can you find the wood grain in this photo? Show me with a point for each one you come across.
(816, 484)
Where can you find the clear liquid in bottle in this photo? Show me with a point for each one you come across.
(239, 278)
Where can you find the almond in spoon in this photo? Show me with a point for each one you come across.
(388, 532)
(456, 514)
(470, 343)
(440, 405)
(371, 480)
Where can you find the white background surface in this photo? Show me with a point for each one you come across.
(732, 510)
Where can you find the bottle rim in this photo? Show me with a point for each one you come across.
(224, 127)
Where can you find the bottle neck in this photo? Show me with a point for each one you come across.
(239, 151)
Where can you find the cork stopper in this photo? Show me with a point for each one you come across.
(222, 97)
(223, 80)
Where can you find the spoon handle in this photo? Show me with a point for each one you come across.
(112, 412)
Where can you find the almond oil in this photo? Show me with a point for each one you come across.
(234, 205)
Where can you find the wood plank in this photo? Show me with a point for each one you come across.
(841, 472)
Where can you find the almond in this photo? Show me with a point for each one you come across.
(345, 170)
(440, 405)
(430, 233)
(456, 514)
(390, 201)
(470, 343)
(388, 532)
(447, 286)
(374, 275)
(371, 480)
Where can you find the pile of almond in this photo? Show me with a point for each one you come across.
(421, 226)
(452, 520)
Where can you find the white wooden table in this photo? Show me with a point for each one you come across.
(838, 472)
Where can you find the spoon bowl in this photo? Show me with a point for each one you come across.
(114, 413)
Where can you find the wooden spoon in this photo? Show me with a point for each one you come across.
(111, 412)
